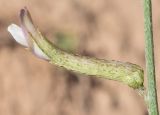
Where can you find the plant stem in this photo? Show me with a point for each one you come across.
(149, 55)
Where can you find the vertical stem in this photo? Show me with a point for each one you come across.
(149, 54)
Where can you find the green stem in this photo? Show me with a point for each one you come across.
(149, 54)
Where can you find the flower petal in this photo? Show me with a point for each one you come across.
(17, 34)
(39, 53)
(27, 23)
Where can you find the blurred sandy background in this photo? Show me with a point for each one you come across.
(108, 29)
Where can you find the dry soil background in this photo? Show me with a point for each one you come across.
(108, 29)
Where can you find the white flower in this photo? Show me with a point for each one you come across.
(19, 36)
